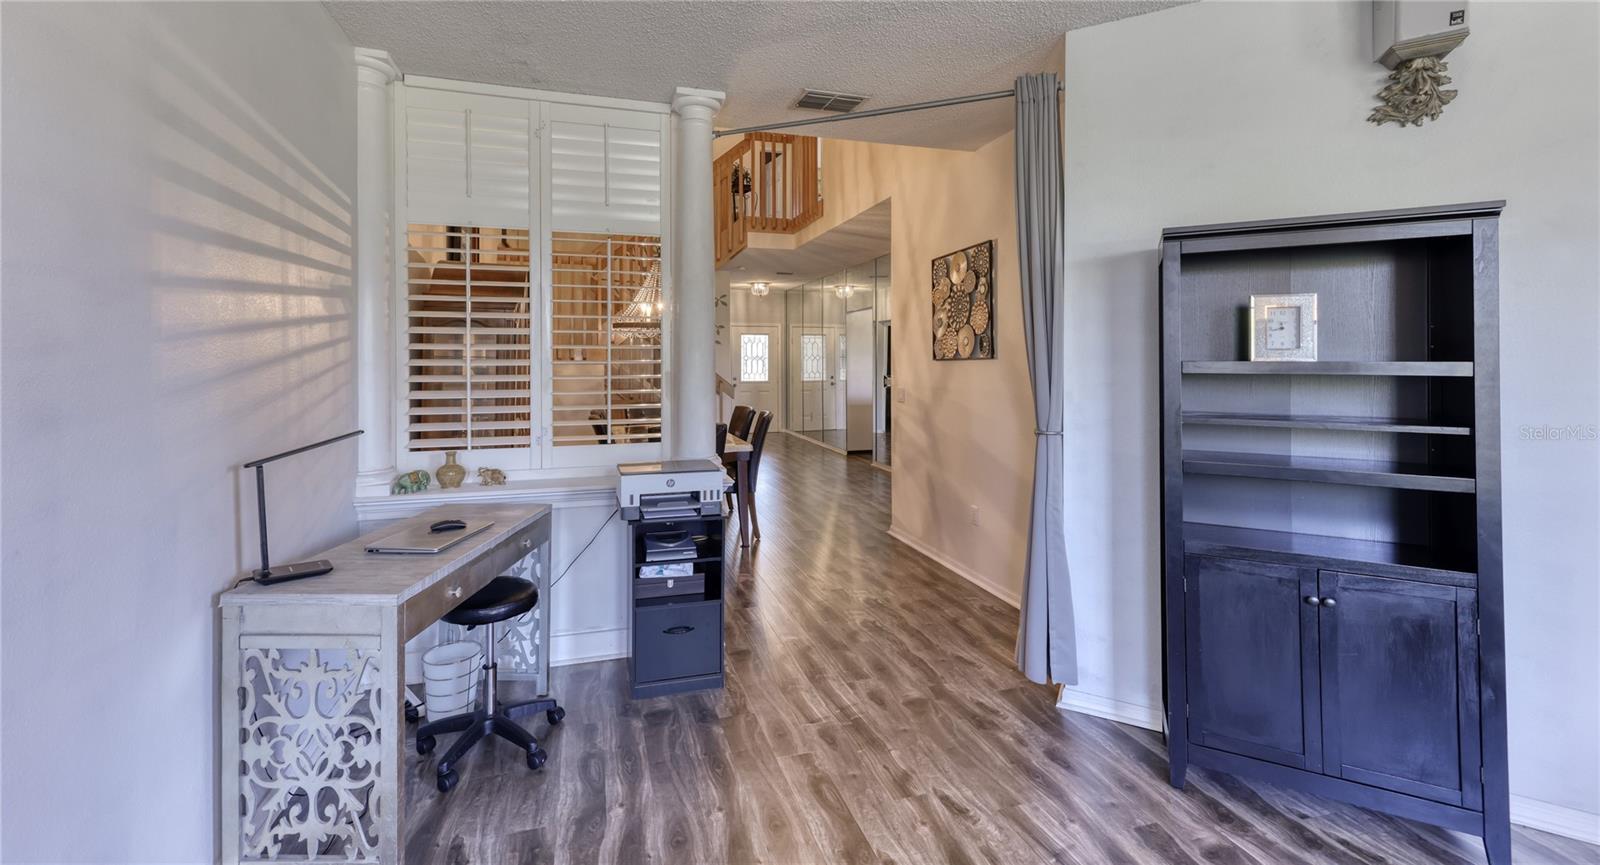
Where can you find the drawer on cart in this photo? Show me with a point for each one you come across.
(675, 641)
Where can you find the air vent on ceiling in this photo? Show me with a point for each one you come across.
(825, 100)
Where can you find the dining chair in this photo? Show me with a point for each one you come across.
(722, 440)
(758, 442)
(739, 423)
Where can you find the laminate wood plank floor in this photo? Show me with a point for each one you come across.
(873, 715)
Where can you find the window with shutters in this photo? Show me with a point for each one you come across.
(605, 338)
(468, 338)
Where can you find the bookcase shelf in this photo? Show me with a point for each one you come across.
(1324, 422)
(1329, 470)
(1431, 368)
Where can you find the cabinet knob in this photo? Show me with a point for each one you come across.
(1329, 602)
(1313, 600)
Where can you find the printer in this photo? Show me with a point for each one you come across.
(674, 489)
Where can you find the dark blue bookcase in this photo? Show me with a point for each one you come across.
(1331, 556)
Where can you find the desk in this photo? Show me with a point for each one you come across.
(736, 450)
(313, 681)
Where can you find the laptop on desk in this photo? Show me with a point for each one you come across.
(421, 540)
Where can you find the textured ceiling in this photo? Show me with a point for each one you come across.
(762, 54)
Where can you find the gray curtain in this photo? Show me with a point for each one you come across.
(1047, 648)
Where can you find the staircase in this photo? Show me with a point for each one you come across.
(768, 182)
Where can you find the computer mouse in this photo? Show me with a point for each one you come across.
(447, 526)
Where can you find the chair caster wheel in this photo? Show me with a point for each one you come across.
(448, 781)
(425, 744)
(555, 715)
(536, 758)
(412, 715)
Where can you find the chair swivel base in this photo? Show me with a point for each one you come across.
(475, 725)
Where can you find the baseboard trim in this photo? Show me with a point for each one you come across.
(956, 568)
(1110, 708)
(583, 647)
(1532, 813)
(1555, 819)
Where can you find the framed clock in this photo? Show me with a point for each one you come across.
(1283, 327)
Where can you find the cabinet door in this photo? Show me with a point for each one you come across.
(1399, 686)
(1252, 634)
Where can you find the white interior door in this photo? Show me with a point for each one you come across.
(811, 356)
(758, 369)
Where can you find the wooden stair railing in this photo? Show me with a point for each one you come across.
(767, 182)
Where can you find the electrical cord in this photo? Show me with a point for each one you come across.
(597, 533)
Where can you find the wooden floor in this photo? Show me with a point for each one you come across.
(872, 714)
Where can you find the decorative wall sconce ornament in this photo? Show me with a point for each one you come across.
(1415, 92)
(1411, 38)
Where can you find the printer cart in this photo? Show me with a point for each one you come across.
(677, 621)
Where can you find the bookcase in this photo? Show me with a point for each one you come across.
(1331, 559)
(676, 625)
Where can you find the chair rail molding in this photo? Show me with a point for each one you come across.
(375, 460)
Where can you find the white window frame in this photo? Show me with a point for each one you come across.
(542, 458)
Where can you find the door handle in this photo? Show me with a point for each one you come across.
(1313, 600)
(1329, 602)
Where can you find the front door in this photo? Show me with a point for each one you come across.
(757, 369)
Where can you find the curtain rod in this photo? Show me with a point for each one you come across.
(877, 112)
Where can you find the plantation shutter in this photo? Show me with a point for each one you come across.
(468, 159)
(468, 338)
(605, 338)
(605, 170)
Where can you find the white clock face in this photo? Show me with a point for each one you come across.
(1283, 327)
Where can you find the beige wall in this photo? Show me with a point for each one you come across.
(963, 437)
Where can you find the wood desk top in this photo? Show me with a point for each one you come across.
(360, 577)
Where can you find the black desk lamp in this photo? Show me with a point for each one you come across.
(267, 574)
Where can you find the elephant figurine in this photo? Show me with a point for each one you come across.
(491, 477)
(411, 482)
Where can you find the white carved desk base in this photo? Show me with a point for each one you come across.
(313, 738)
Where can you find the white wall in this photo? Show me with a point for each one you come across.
(1219, 112)
(177, 203)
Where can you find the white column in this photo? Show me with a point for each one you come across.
(375, 463)
(691, 388)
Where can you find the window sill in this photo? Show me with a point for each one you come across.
(583, 491)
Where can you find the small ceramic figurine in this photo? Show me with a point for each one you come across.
(491, 477)
(411, 482)
(451, 474)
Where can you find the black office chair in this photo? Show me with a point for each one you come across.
(504, 598)
(739, 423)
